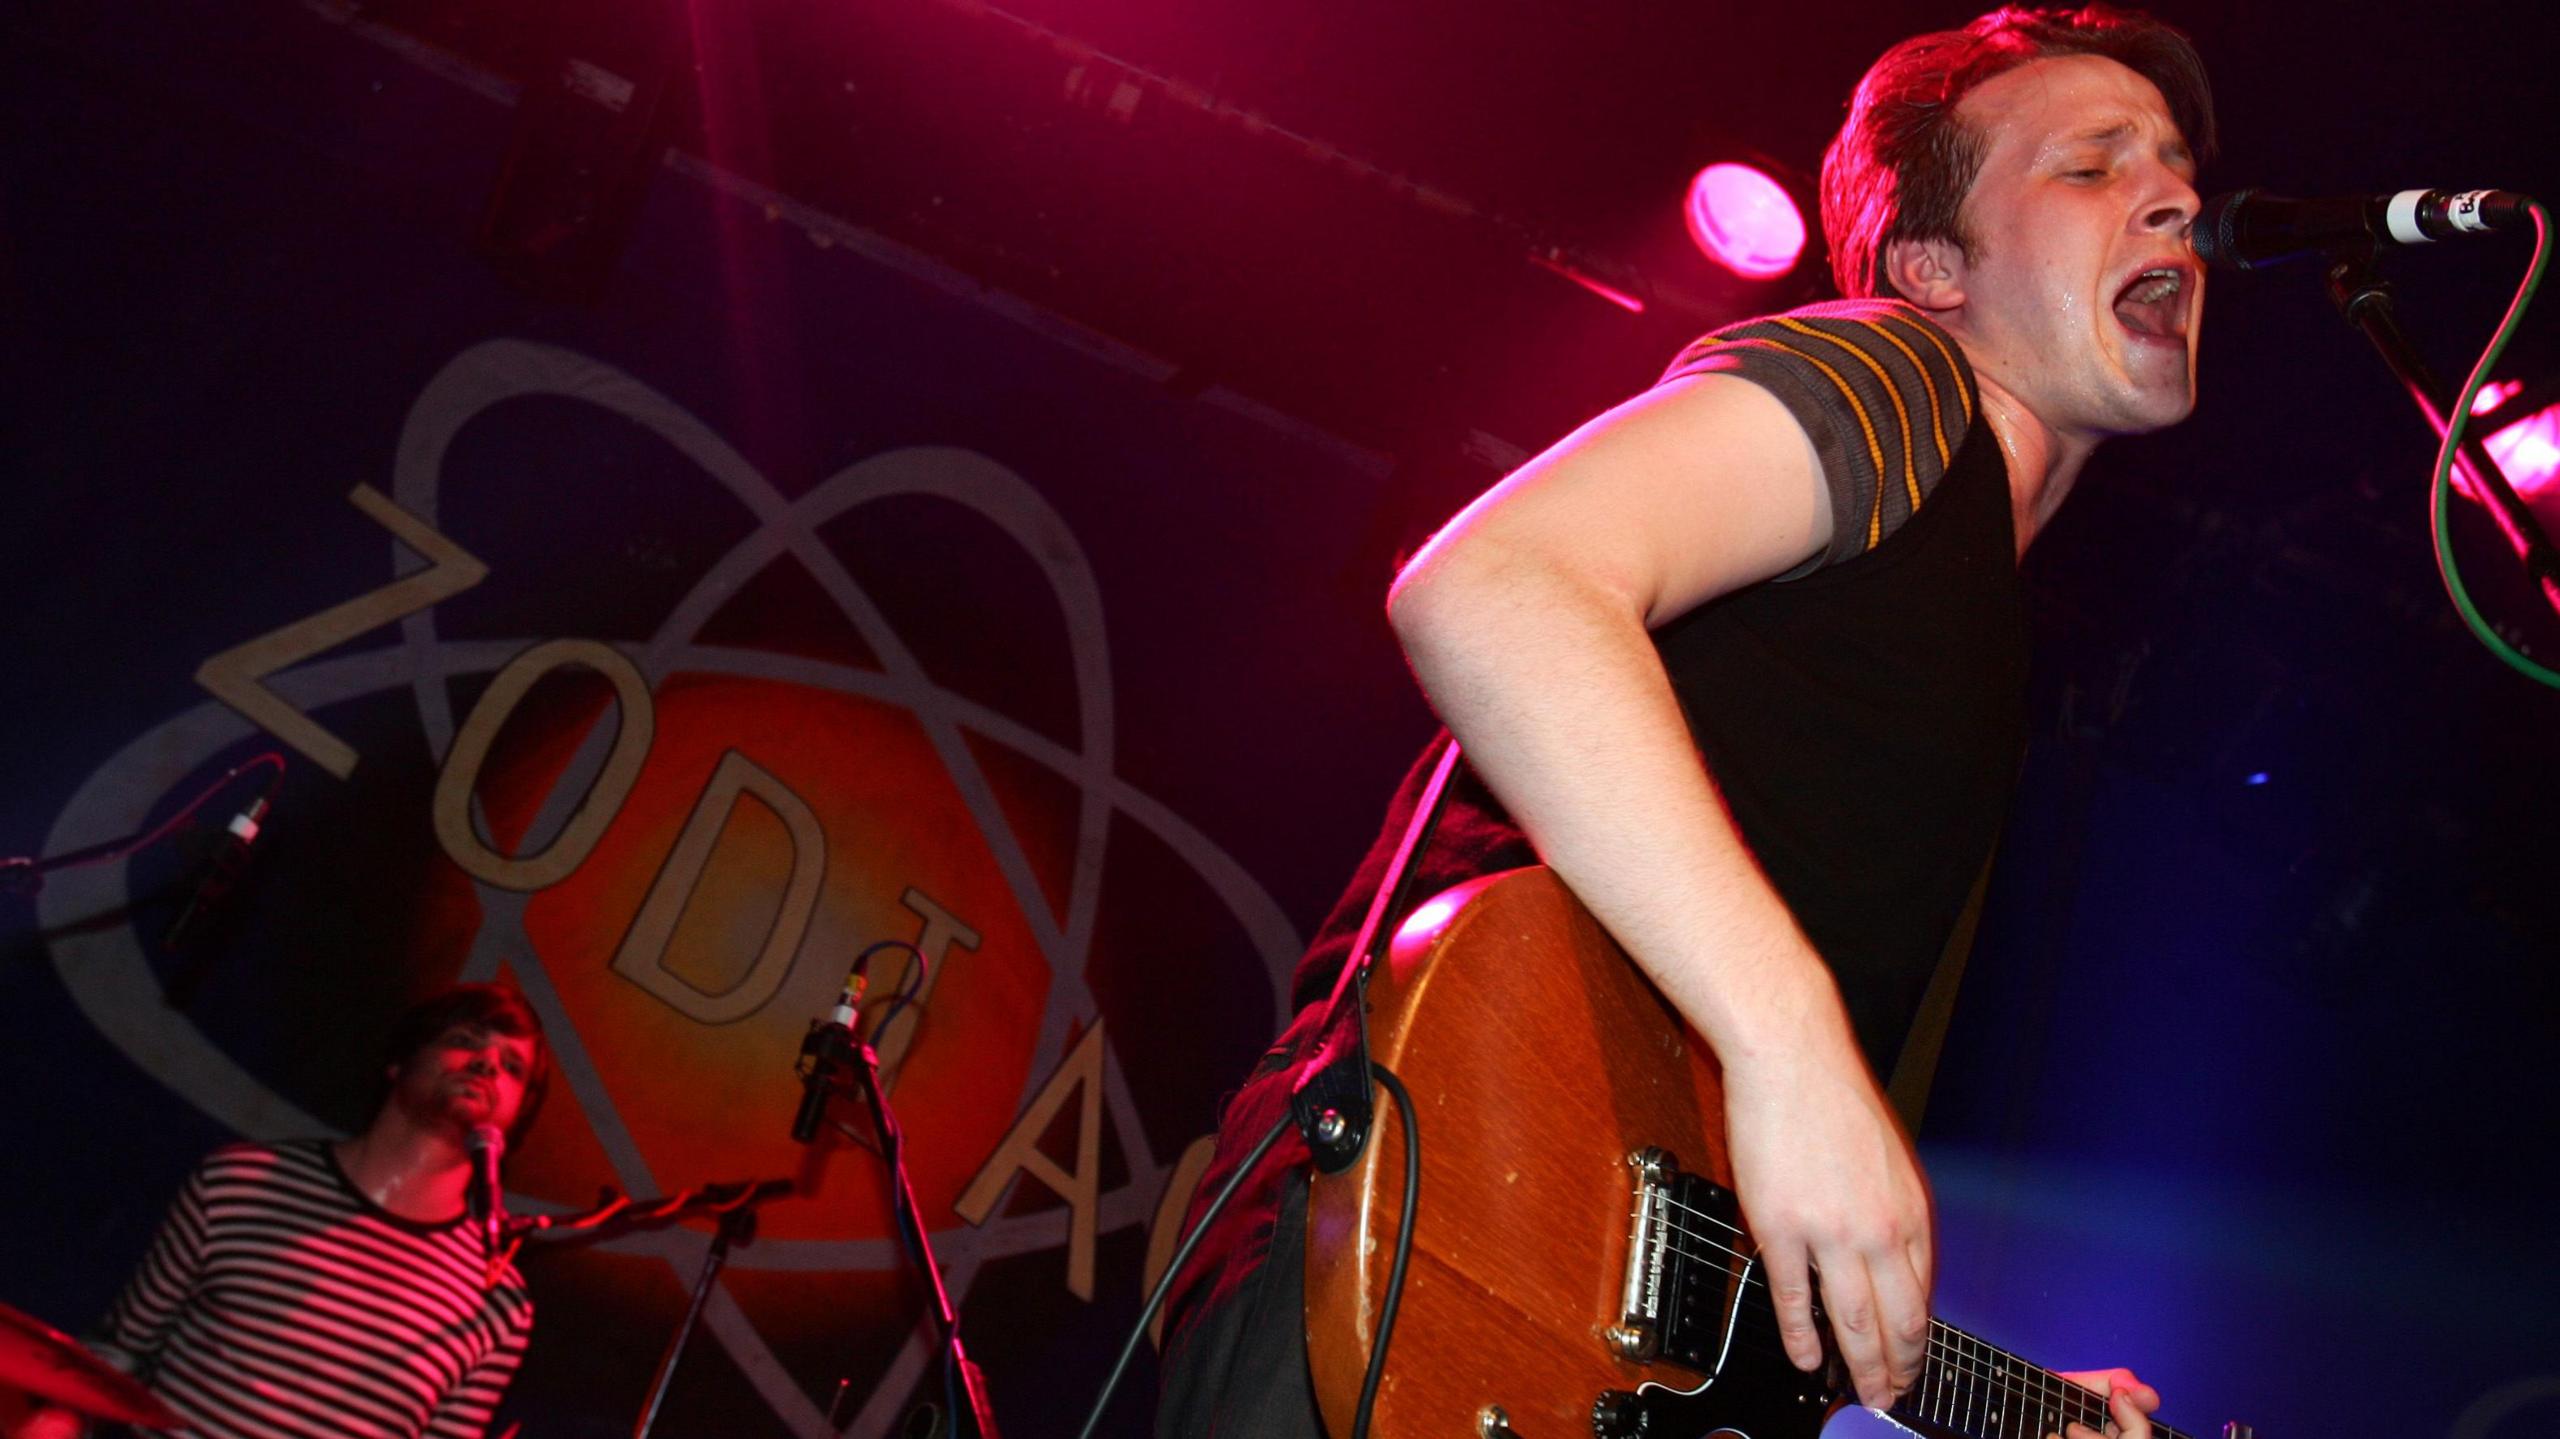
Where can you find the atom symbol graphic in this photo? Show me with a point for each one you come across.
(110, 977)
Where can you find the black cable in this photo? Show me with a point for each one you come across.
(915, 976)
(1181, 1256)
(1395, 1272)
(1404, 1248)
(950, 1390)
(893, 1148)
(910, 1223)
(819, 1054)
(898, 1003)
(25, 873)
(909, 987)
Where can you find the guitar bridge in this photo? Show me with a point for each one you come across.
(1684, 1266)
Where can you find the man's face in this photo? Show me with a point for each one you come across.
(467, 1076)
(2081, 291)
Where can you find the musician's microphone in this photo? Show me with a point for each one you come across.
(828, 1041)
(230, 860)
(488, 1145)
(2248, 228)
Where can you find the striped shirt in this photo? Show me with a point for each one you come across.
(279, 1301)
(1885, 395)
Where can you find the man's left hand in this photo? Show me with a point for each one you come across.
(2130, 1404)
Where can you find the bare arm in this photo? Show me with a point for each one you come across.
(1527, 620)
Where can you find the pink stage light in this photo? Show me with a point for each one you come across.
(2529, 452)
(2526, 448)
(2494, 394)
(1745, 221)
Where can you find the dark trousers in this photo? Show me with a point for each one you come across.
(1235, 1363)
(1239, 1368)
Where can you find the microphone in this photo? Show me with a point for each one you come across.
(230, 860)
(829, 1044)
(2248, 228)
(484, 1200)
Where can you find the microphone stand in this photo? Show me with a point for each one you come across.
(737, 1226)
(835, 1053)
(615, 1213)
(2363, 297)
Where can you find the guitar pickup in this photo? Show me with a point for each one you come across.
(1684, 1269)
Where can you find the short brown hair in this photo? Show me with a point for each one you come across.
(500, 1007)
(1904, 161)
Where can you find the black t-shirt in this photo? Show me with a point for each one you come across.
(1863, 718)
(1861, 714)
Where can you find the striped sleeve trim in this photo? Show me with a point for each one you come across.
(1886, 397)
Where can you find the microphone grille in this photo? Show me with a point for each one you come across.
(488, 1138)
(2216, 234)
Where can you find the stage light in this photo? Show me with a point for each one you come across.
(2529, 452)
(2526, 446)
(2494, 394)
(1744, 220)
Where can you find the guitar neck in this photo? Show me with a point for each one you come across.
(1982, 1391)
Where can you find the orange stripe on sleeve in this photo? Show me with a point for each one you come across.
(1875, 450)
(1901, 413)
(1964, 396)
(1937, 422)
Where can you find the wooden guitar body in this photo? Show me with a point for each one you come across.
(1540, 1060)
(1579, 1266)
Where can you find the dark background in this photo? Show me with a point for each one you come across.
(2251, 1086)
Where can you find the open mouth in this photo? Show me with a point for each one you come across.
(2154, 303)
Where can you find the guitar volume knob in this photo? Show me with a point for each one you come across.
(1617, 1414)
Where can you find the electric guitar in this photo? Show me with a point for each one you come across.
(1579, 1264)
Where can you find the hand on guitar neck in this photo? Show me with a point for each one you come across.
(2130, 1402)
(1834, 1195)
(1830, 1185)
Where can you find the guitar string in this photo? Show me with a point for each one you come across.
(1720, 1248)
(2078, 1404)
(2091, 1408)
(2051, 1392)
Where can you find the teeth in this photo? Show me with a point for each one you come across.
(2154, 285)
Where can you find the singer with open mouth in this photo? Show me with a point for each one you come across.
(1743, 662)
(350, 1287)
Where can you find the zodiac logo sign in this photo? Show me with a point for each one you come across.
(608, 867)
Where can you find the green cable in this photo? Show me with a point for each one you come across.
(2456, 423)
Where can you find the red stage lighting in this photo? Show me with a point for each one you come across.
(1744, 220)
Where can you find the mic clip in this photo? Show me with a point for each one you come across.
(831, 1059)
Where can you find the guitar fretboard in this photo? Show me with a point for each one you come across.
(1982, 1390)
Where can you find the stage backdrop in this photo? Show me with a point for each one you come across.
(657, 657)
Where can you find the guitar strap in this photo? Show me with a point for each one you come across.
(1916, 1067)
(1332, 1102)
